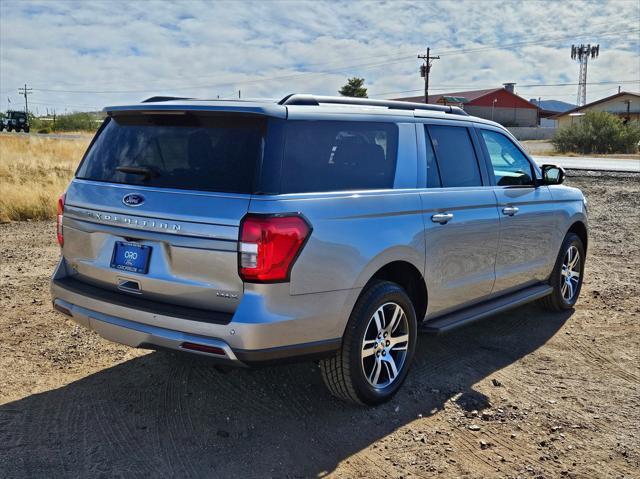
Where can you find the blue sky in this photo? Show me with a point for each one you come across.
(84, 55)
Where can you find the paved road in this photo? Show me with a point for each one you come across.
(628, 165)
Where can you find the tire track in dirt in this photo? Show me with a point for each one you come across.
(467, 361)
(170, 424)
(114, 425)
(471, 446)
(585, 349)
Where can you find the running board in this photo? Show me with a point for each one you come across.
(471, 314)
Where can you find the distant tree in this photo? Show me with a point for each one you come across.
(354, 87)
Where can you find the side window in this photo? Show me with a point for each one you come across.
(433, 175)
(455, 156)
(336, 156)
(510, 166)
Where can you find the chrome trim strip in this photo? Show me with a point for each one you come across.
(182, 228)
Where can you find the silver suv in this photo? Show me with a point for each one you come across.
(323, 228)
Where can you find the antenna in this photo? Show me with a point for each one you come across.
(581, 53)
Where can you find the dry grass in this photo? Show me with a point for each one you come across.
(34, 172)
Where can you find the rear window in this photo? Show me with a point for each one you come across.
(185, 151)
(335, 155)
(456, 156)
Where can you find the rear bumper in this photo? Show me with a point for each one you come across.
(140, 335)
(262, 330)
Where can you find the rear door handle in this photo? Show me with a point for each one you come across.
(442, 218)
(510, 210)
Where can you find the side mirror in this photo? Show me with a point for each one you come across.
(552, 175)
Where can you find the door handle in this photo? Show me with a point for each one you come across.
(442, 218)
(510, 210)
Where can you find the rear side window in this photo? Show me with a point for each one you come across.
(455, 155)
(334, 155)
(433, 175)
(183, 151)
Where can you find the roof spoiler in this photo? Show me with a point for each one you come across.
(314, 100)
(155, 99)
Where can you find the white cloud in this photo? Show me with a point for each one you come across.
(138, 49)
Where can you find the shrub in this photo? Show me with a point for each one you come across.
(77, 122)
(598, 132)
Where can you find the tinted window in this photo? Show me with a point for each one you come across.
(510, 166)
(455, 154)
(433, 175)
(334, 155)
(177, 151)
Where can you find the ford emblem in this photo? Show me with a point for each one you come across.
(133, 199)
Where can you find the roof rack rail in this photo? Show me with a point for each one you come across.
(155, 99)
(314, 100)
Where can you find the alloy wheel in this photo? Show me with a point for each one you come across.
(570, 272)
(385, 345)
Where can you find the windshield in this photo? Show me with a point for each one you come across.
(185, 151)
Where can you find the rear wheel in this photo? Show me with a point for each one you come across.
(566, 278)
(377, 347)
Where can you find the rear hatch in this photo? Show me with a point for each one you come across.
(156, 204)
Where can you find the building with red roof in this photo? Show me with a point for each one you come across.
(498, 104)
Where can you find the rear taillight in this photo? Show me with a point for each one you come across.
(59, 220)
(269, 245)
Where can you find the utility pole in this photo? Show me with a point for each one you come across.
(25, 92)
(628, 117)
(425, 69)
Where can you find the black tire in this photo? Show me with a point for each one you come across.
(557, 300)
(344, 373)
(26, 130)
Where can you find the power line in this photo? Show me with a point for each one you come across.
(407, 57)
(363, 66)
(531, 85)
(66, 104)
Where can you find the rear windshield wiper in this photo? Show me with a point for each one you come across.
(138, 170)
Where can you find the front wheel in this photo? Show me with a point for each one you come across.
(567, 275)
(377, 347)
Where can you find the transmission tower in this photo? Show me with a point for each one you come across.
(581, 53)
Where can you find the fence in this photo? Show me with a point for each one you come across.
(532, 132)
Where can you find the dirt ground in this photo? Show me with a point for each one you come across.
(523, 394)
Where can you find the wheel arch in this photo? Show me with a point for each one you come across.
(580, 229)
(410, 279)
